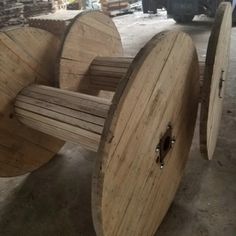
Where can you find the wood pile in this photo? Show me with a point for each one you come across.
(35, 7)
(14, 12)
(10, 11)
(113, 7)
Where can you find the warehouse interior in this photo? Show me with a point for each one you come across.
(55, 198)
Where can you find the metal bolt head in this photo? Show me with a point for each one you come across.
(173, 142)
(157, 150)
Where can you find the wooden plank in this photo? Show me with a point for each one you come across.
(62, 117)
(36, 39)
(31, 108)
(87, 139)
(73, 113)
(22, 149)
(131, 193)
(74, 101)
(107, 72)
(216, 69)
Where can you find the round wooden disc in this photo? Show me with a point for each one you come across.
(215, 74)
(91, 34)
(27, 55)
(131, 193)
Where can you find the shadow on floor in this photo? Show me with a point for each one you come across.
(54, 200)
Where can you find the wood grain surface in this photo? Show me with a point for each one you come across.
(91, 34)
(215, 75)
(27, 55)
(131, 193)
(70, 116)
(105, 73)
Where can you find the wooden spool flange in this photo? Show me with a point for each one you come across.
(215, 75)
(91, 34)
(155, 106)
(27, 55)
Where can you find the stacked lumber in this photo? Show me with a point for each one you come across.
(36, 7)
(14, 12)
(112, 7)
(10, 11)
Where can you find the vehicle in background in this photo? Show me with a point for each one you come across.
(183, 11)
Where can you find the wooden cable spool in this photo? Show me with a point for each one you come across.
(27, 55)
(150, 97)
(215, 75)
(84, 35)
(27, 49)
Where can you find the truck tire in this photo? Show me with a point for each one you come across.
(145, 4)
(149, 6)
(183, 19)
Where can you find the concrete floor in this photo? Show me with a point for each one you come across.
(55, 200)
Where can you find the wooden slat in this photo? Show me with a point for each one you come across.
(69, 116)
(106, 72)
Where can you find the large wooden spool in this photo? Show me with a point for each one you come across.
(146, 99)
(84, 35)
(215, 75)
(27, 55)
(35, 55)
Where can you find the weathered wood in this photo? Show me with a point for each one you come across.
(105, 73)
(131, 193)
(27, 55)
(91, 34)
(69, 116)
(216, 69)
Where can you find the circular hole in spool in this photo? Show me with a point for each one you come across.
(167, 144)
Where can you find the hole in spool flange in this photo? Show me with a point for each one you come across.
(165, 144)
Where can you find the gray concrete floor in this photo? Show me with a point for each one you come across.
(55, 200)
